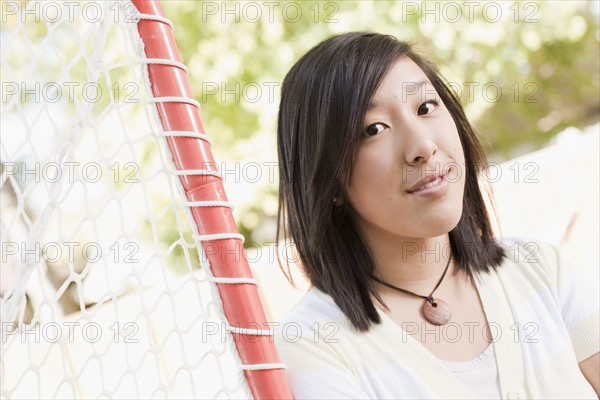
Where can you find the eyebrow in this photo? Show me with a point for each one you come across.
(413, 85)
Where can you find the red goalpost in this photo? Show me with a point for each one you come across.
(207, 199)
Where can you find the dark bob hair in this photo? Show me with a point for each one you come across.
(324, 100)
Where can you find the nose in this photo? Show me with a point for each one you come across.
(418, 144)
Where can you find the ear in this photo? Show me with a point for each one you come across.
(338, 200)
(339, 197)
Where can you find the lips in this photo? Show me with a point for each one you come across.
(428, 182)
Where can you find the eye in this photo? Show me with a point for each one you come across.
(374, 129)
(427, 107)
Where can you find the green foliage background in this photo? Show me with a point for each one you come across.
(543, 56)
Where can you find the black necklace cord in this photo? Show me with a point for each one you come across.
(429, 298)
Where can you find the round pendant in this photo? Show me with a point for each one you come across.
(437, 313)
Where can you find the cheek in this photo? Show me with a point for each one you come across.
(372, 173)
(458, 157)
(361, 181)
(370, 163)
(458, 153)
(453, 142)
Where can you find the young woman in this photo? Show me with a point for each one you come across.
(412, 295)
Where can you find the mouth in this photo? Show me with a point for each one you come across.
(429, 183)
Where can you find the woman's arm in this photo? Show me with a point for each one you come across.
(591, 370)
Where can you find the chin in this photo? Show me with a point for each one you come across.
(439, 225)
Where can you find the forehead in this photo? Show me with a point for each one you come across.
(403, 79)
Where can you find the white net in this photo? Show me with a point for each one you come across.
(103, 289)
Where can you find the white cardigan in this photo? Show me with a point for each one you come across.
(542, 311)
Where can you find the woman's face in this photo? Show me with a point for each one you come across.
(409, 177)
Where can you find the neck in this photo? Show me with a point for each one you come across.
(413, 264)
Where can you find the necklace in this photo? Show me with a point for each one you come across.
(434, 310)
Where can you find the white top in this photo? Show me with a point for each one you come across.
(479, 374)
(544, 313)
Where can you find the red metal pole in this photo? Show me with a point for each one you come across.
(242, 305)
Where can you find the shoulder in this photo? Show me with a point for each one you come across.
(530, 259)
(534, 269)
(545, 285)
(535, 272)
(314, 305)
(310, 320)
(536, 260)
(529, 250)
(311, 340)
